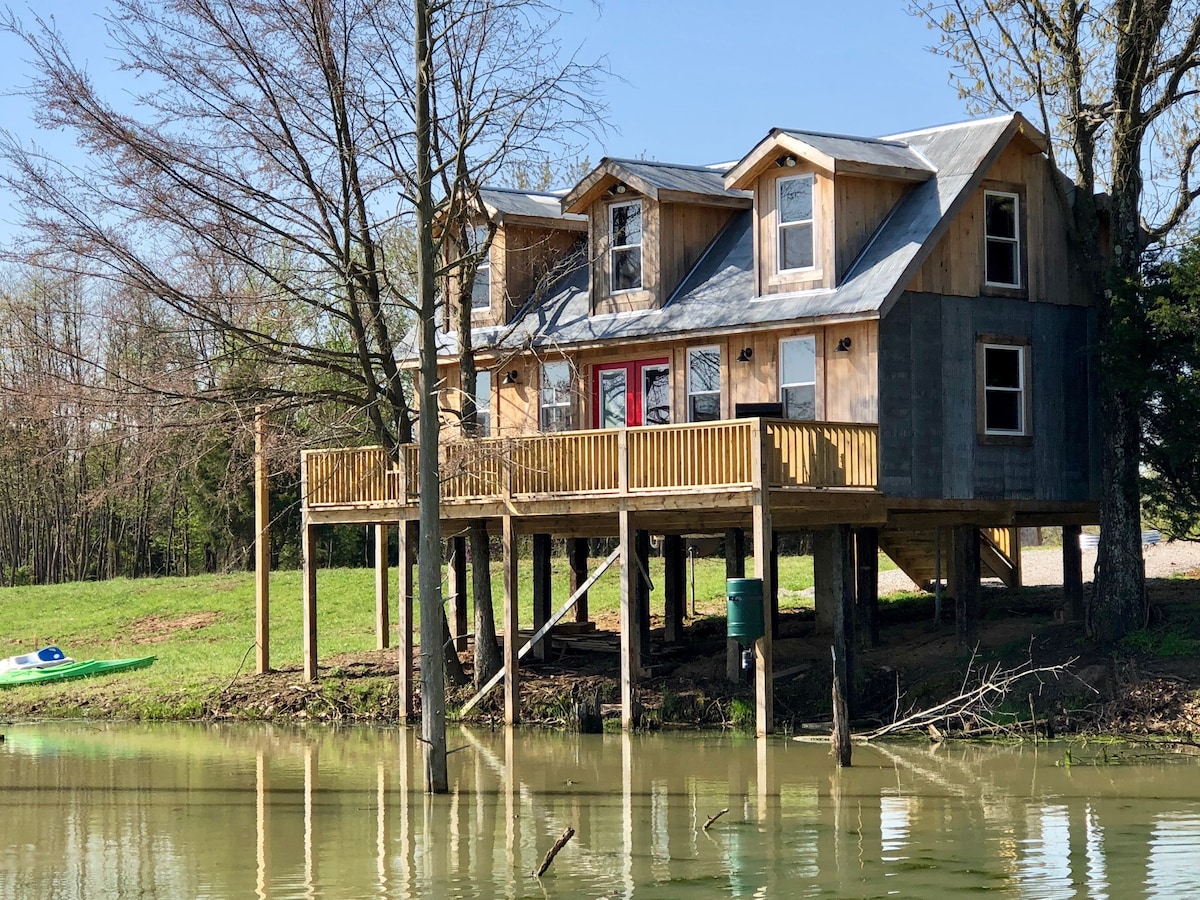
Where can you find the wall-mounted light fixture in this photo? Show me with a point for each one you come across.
(512, 377)
(844, 345)
(786, 162)
(617, 189)
(745, 355)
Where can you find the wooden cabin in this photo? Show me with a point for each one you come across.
(879, 340)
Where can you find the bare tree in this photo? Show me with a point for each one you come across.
(1114, 86)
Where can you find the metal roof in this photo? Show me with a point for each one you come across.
(534, 204)
(673, 177)
(869, 151)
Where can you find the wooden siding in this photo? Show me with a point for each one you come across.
(928, 434)
(686, 230)
(526, 256)
(956, 264)
(861, 205)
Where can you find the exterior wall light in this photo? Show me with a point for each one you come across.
(844, 345)
(745, 355)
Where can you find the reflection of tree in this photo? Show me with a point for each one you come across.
(612, 389)
(658, 396)
(704, 385)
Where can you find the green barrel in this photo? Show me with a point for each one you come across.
(744, 602)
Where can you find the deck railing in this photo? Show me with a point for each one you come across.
(655, 459)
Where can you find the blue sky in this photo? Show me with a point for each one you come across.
(694, 82)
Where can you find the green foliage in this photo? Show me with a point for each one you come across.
(1162, 642)
(741, 713)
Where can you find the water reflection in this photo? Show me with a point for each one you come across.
(177, 811)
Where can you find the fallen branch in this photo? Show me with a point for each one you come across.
(553, 851)
(714, 817)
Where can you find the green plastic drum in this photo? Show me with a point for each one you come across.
(744, 608)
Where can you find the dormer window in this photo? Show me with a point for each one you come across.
(795, 206)
(1002, 235)
(625, 242)
(481, 289)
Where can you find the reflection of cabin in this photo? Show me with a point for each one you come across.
(877, 340)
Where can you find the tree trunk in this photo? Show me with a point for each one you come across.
(487, 648)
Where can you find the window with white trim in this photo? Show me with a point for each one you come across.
(483, 403)
(481, 289)
(794, 209)
(656, 395)
(704, 384)
(555, 412)
(1002, 239)
(798, 377)
(625, 243)
(1005, 383)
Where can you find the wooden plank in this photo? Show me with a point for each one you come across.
(383, 628)
(537, 637)
(512, 676)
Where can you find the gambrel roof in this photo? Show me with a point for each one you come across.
(718, 295)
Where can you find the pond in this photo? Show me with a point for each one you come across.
(174, 811)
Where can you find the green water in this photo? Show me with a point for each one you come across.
(245, 811)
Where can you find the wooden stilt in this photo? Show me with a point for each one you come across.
(541, 589)
(826, 587)
(641, 546)
(842, 576)
(383, 627)
(262, 544)
(674, 588)
(512, 640)
(577, 556)
(1072, 573)
(866, 558)
(773, 597)
(631, 650)
(735, 567)
(308, 553)
(405, 562)
(764, 544)
(966, 584)
(456, 589)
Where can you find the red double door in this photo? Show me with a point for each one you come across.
(632, 393)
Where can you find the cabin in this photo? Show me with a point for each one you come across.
(880, 341)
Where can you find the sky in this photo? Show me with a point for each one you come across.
(694, 81)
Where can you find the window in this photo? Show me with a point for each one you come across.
(635, 392)
(656, 395)
(704, 384)
(625, 239)
(1004, 389)
(555, 396)
(1002, 236)
(483, 403)
(795, 209)
(481, 290)
(798, 377)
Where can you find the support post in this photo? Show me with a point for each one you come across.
(631, 650)
(512, 677)
(262, 542)
(642, 595)
(735, 567)
(405, 561)
(843, 579)
(774, 595)
(1072, 573)
(674, 587)
(764, 545)
(308, 553)
(541, 590)
(456, 588)
(577, 557)
(826, 587)
(966, 584)
(866, 557)
(383, 626)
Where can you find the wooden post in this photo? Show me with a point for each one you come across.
(642, 595)
(826, 587)
(1072, 573)
(674, 587)
(631, 635)
(577, 556)
(774, 597)
(406, 560)
(735, 567)
(308, 555)
(383, 627)
(866, 556)
(262, 542)
(512, 640)
(541, 590)
(764, 543)
(456, 587)
(843, 579)
(966, 584)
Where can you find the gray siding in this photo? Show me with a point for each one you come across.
(928, 442)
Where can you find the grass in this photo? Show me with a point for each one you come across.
(202, 628)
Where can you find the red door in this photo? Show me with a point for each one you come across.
(632, 393)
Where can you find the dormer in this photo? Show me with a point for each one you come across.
(531, 238)
(818, 199)
(648, 224)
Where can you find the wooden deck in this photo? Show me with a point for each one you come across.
(673, 467)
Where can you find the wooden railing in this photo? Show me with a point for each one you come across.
(657, 459)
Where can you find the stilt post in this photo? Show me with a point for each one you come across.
(1072, 573)
(735, 567)
(308, 554)
(541, 590)
(577, 557)
(866, 559)
(406, 560)
(674, 588)
(512, 640)
(764, 542)
(383, 626)
(631, 650)
(966, 584)
(456, 588)
(262, 543)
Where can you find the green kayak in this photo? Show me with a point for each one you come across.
(80, 669)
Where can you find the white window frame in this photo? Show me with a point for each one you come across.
(543, 406)
(1014, 241)
(483, 410)
(691, 385)
(614, 247)
(780, 225)
(1021, 390)
(783, 385)
(483, 267)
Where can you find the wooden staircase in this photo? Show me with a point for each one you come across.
(915, 552)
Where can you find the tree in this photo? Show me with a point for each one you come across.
(1114, 86)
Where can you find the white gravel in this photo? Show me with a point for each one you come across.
(1043, 565)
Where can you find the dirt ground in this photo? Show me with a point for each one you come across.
(1148, 685)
